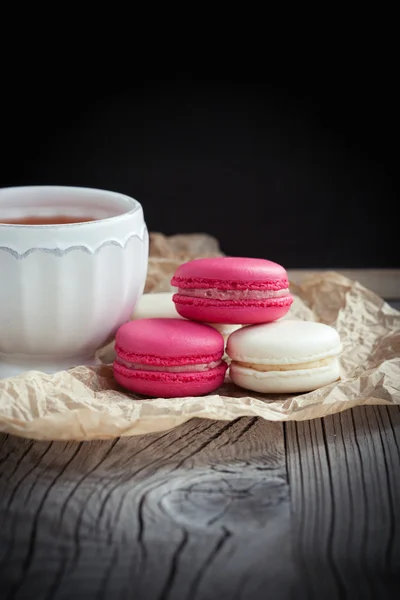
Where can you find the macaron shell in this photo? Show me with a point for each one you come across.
(285, 382)
(289, 341)
(159, 384)
(159, 305)
(208, 312)
(228, 271)
(225, 330)
(168, 341)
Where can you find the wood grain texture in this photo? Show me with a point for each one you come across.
(345, 490)
(200, 512)
(207, 510)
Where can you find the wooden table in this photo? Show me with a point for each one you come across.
(239, 511)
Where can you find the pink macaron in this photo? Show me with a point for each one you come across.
(169, 358)
(232, 290)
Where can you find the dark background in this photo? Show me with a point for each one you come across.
(301, 172)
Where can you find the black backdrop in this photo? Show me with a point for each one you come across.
(299, 173)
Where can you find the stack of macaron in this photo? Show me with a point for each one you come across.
(177, 348)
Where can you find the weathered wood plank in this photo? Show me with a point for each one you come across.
(199, 512)
(345, 488)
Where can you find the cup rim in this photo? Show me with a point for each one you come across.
(135, 205)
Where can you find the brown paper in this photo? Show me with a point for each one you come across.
(86, 403)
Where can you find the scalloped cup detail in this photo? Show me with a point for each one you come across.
(67, 287)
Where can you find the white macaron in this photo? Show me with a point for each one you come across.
(286, 356)
(157, 305)
(225, 329)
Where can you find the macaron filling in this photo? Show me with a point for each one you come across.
(225, 283)
(174, 369)
(166, 361)
(226, 294)
(316, 364)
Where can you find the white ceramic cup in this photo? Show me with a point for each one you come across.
(65, 289)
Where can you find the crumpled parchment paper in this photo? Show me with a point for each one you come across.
(86, 403)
